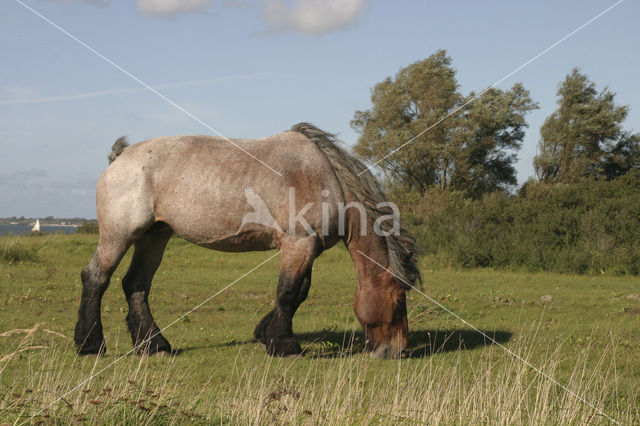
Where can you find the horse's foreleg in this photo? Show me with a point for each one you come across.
(95, 280)
(275, 330)
(136, 284)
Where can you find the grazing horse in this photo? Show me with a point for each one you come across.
(211, 193)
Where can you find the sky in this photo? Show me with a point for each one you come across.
(254, 68)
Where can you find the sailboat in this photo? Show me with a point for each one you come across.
(36, 226)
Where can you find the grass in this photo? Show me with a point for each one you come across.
(13, 250)
(580, 330)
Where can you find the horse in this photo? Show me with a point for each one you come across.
(212, 192)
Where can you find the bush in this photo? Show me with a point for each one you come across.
(592, 226)
(87, 227)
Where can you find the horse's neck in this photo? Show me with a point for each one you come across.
(367, 249)
(369, 253)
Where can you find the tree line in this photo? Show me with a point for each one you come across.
(474, 149)
(449, 160)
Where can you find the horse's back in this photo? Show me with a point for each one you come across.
(200, 186)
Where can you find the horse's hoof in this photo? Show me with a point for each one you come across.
(92, 349)
(155, 349)
(282, 348)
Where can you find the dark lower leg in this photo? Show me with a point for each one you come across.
(88, 332)
(145, 334)
(136, 284)
(275, 330)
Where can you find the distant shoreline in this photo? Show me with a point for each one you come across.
(30, 221)
(25, 229)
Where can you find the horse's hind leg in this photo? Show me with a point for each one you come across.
(136, 284)
(275, 330)
(95, 280)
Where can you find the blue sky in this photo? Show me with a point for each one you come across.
(251, 69)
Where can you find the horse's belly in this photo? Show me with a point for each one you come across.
(249, 241)
(218, 235)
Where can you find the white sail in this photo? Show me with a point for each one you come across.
(36, 227)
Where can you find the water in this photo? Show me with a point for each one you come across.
(25, 229)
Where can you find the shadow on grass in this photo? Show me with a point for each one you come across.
(422, 343)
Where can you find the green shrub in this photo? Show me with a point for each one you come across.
(87, 227)
(588, 227)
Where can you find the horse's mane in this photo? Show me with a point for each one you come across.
(357, 178)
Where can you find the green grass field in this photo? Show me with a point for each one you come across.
(583, 331)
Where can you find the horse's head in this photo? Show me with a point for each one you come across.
(380, 304)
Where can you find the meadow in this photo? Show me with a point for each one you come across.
(581, 330)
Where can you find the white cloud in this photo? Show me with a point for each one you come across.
(94, 2)
(22, 95)
(172, 7)
(312, 16)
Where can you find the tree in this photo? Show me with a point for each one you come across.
(472, 150)
(493, 132)
(584, 138)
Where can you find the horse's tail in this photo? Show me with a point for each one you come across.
(117, 148)
(357, 178)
